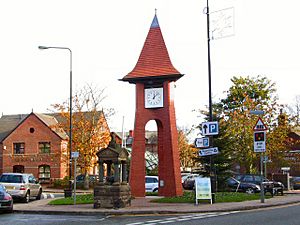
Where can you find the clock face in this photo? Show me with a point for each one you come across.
(154, 98)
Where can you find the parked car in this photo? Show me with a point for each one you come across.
(295, 182)
(235, 185)
(151, 183)
(274, 187)
(189, 182)
(184, 176)
(92, 178)
(22, 186)
(6, 201)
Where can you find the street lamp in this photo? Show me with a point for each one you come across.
(70, 137)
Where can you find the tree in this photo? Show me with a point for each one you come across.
(90, 131)
(294, 110)
(219, 164)
(187, 152)
(247, 94)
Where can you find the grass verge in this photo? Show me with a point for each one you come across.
(80, 199)
(188, 197)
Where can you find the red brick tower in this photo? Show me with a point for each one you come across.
(153, 76)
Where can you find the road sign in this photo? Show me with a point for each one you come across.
(202, 142)
(259, 126)
(75, 154)
(257, 112)
(210, 128)
(259, 141)
(208, 151)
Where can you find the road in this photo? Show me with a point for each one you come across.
(287, 215)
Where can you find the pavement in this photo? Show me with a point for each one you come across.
(144, 205)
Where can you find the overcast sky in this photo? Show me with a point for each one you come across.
(106, 38)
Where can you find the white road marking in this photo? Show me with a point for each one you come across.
(182, 218)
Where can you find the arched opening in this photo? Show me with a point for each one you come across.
(151, 156)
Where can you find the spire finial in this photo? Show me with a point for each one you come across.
(155, 11)
(155, 21)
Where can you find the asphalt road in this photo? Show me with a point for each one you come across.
(287, 215)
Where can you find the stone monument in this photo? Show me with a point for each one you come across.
(113, 191)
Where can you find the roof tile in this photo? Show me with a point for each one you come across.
(154, 60)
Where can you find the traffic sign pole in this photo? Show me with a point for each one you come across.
(260, 146)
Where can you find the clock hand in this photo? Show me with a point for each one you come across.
(154, 96)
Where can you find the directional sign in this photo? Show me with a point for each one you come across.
(202, 142)
(210, 128)
(259, 141)
(208, 151)
(75, 154)
(259, 126)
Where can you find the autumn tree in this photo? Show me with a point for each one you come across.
(187, 152)
(247, 94)
(90, 131)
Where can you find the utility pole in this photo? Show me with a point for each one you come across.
(211, 157)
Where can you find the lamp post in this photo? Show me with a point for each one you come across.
(211, 158)
(70, 134)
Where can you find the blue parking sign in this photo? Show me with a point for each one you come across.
(210, 128)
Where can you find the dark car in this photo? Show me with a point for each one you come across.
(92, 178)
(6, 201)
(189, 182)
(274, 187)
(295, 183)
(238, 186)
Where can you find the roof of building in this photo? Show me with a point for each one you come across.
(154, 60)
(51, 122)
(8, 123)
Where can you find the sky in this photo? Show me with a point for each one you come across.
(106, 38)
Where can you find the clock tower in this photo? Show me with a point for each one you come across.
(154, 77)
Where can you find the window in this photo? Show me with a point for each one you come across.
(44, 173)
(31, 180)
(44, 147)
(11, 178)
(19, 148)
(18, 169)
(248, 178)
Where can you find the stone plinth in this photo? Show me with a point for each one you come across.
(112, 196)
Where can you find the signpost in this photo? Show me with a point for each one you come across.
(210, 128)
(259, 141)
(202, 142)
(209, 151)
(260, 146)
(75, 155)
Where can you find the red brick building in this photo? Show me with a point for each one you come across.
(31, 144)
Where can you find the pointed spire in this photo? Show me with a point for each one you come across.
(154, 60)
(154, 21)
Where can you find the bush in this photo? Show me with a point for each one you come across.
(61, 183)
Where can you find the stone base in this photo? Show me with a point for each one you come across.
(112, 196)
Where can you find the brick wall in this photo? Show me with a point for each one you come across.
(32, 131)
